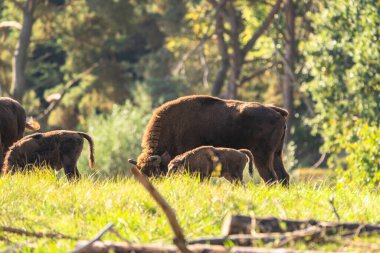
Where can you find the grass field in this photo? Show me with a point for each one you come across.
(39, 202)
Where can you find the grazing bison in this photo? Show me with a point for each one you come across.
(193, 121)
(57, 149)
(12, 124)
(206, 160)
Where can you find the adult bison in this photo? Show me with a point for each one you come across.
(206, 160)
(192, 121)
(12, 124)
(58, 149)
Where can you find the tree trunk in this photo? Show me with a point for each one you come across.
(20, 56)
(237, 59)
(290, 58)
(222, 46)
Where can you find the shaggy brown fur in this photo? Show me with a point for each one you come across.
(193, 121)
(57, 149)
(206, 160)
(12, 124)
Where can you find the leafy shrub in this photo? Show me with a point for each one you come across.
(117, 137)
(343, 58)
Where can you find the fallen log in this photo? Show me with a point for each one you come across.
(275, 225)
(123, 247)
(262, 238)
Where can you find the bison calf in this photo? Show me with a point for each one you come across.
(56, 149)
(206, 159)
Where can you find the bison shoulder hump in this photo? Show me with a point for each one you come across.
(208, 100)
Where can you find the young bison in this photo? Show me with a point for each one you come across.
(193, 121)
(206, 159)
(57, 149)
(12, 124)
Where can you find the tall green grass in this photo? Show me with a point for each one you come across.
(40, 202)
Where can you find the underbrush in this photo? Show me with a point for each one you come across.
(41, 203)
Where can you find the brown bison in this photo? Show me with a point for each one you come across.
(12, 124)
(193, 121)
(206, 161)
(57, 149)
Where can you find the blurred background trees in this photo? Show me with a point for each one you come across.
(77, 62)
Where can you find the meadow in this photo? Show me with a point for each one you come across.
(40, 202)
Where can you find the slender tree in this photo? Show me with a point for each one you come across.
(20, 56)
(237, 51)
(289, 63)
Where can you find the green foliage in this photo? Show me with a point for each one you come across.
(41, 203)
(362, 146)
(343, 57)
(117, 136)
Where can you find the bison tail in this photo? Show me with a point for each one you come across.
(280, 110)
(31, 124)
(250, 160)
(91, 158)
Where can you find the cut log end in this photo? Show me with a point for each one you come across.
(237, 224)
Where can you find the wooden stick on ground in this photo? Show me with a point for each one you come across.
(18, 246)
(122, 247)
(97, 237)
(24, 232)
(179, 239)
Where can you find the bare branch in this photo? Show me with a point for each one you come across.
(319, 162)
(24, 232)
(18, 4)
(97, 237)
(69, 84)
(187, 55)
(18, 246)
(206, 70)
(257, 73)
(179, 239)
(331, 200)
(262, 28)
(219, 7)
(13, 24)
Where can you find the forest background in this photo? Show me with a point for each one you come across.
(103, 66)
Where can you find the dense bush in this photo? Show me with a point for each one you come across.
(343, 58)
(117, 137)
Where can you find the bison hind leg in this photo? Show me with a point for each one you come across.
(264, 165)
(282, 175)
(72, 173)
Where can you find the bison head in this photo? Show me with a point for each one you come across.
(152, 166)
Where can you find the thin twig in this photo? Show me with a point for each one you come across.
(13, 24)
(18, 246)
(115, 232)
(319, 162)
(331, 200)
(179, 239)
(24, 232)
(66, 88)
(96, 238)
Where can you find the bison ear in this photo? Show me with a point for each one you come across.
(165, 158)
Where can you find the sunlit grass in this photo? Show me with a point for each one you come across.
(40, 202)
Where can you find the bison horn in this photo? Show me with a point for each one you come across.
(131, 161)
(155, 159)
